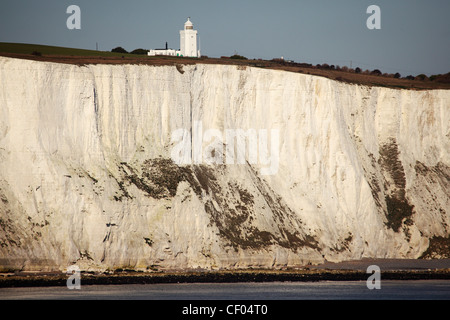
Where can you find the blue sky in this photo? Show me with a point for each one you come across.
(414, 37)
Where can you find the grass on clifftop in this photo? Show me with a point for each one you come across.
(25, 48)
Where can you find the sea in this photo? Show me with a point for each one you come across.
(271, 300)
(321, 290)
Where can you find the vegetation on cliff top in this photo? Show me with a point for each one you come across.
(339, 73)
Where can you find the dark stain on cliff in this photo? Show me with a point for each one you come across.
(373, 181)
(284, 216)
(158, 178)
(399, 210)
(439, 248)
(440, 174)
(234, 211)
(231, 207)
(432, 186)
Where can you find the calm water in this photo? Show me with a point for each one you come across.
(390, 289)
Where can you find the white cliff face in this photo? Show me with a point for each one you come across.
(87, 173)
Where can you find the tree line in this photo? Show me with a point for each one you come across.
(135, 51)
(444, 78)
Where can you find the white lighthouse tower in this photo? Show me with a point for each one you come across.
(188, 40)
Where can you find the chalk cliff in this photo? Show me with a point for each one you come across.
(89, 172)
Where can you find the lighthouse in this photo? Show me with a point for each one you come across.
(188, 40)
(188, 44)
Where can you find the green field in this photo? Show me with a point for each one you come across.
(25, 48)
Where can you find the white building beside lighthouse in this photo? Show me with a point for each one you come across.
(188, 44)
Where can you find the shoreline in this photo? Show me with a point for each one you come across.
(391, 269)
(216, 277)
